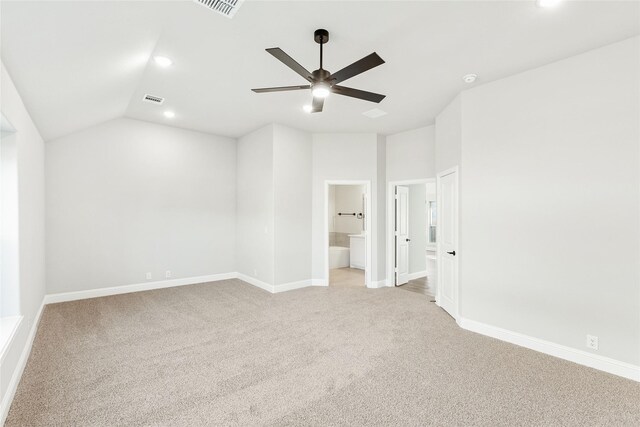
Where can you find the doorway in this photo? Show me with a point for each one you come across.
(347, 237)
(411, 233)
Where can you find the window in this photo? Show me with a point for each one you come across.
(432, 221)
(9, 286)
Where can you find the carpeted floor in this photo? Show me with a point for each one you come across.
(227, 353)
(346, 277)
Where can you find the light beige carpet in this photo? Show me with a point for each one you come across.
(346, 278)
(227, 353)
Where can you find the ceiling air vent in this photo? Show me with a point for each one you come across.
(227, 8)
(375, 113)
(153, 99)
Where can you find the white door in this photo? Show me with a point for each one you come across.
(447, 292)
(402, 235)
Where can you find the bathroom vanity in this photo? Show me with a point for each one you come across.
(357, 249)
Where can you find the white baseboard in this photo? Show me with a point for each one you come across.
(372, 285)
(125, 289)
(417, 275)
(255, 282)
(22, 363)
(581, 357)
(378, 284)
(293, 285)
(116, 290)
(274, 289)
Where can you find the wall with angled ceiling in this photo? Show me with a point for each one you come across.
(126, 198)
(550, 201)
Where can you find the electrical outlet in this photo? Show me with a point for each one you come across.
(592, 342)
(255, 273)
(149, 276)
(167, 274)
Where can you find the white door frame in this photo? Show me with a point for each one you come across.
(456, 288)
(391, 215)
(367, 226)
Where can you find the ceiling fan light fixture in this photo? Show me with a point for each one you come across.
(321, 90)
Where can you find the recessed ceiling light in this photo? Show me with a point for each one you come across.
(306, 108)
(169, 114)
(162, 61)
(470, 78)
(320, 90)
(548, 3)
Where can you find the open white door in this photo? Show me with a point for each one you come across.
(402, 235)
(447, 297)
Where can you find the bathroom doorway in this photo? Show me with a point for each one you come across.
(411, 231)
(347, 240)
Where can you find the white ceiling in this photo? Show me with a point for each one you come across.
(80, 63)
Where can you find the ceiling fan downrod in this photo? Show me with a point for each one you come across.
(321, 36)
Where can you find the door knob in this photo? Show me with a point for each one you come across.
(408, 240)
(452, 253)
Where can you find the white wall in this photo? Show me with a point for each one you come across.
(348, 199)
(332, 208)
(448, 155)
(128, 197)
(417, 228)
(255, 209)
(344, 157)
(379, 192)
(449, 136)
(551, 201)
(411, 155)
(31, 224)
(292, 192)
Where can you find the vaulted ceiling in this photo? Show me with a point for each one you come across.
(77, 63)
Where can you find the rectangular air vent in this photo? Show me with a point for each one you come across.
(227, 8)
(153, 99)
(375, 113)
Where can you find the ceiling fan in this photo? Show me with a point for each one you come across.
(321, 81)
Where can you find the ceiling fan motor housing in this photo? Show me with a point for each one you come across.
(320, 75)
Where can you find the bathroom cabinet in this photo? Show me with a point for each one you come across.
(357, 251)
